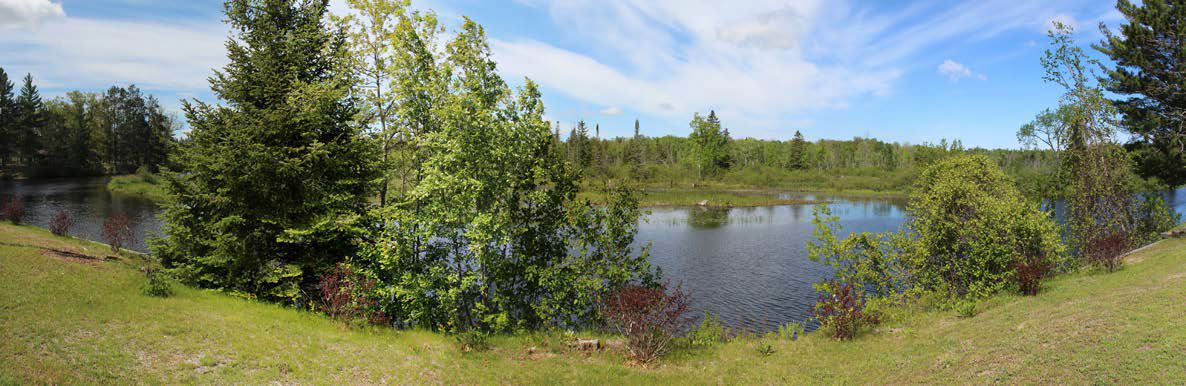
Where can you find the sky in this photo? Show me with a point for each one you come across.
(901, 71)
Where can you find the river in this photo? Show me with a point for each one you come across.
(748, 266)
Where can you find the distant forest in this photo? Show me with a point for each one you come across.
(81, 134)
(709, 157)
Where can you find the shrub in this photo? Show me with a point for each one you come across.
(965, 308)
(473, 340)
(708, 332)
(344, 294)
(792, 330)
(1028, 273)
(158, 284)
(873, 262)
(649, 317)
(13, 210)
(765, 349)
(1107, 251)
(841, 310)
(61, 222)
(117, 231)
(971, 223)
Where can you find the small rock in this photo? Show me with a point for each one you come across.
(588, 344)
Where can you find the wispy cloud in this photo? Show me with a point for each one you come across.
(763, 61)
(81, 53)
(612, 111)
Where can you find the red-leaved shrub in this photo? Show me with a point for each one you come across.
(345, 295)
(841, 310)
(117, 231)
(13, 210)
(1107, 251)
(1028, 273)
(649, 317)
(61, 222)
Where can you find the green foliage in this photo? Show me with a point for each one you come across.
(965, 308)
(1153, 218)
(473, 340)
(708, 332)
(711, 144)
(7, 121)
(841, 309)
(270, 188)
(158, 283)
(873, 262)
(971, 226)
(1106, 215)
(1149, 78)
(487, 234)
(80, 133)
(791, 330)
(764, 349)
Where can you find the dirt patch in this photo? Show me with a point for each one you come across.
(73, 256)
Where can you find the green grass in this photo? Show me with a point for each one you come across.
(148, 186)
(68, 314)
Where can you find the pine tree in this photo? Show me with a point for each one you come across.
(271, 185)
(1151, 74)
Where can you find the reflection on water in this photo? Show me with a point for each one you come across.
(88, 201)
(747, 265)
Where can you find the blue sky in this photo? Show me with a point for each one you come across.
(900, 71)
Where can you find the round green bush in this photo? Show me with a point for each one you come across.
(972, 226)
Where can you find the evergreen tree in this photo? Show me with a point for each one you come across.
(798, 154)
(1151, 73)
(29, 122)
(7, 121)
(272, 184)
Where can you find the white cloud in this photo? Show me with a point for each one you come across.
(27, 13)
(612, 111)
(82, 53)
(760, 62)
(954, 70)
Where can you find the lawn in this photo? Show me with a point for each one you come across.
(73, 313)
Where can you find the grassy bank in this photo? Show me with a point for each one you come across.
(695, 197)
(144, 185)
(69, 314)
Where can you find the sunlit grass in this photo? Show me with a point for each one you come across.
(70, 314)
(144, 185)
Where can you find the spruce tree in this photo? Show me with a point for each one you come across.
(272, 182)
(7, 118)
(798, 151)
(29, 121)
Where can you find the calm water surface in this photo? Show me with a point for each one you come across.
(748, 266)
(88, 201)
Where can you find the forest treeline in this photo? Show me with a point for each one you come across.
(708, 156)
(81, 134)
